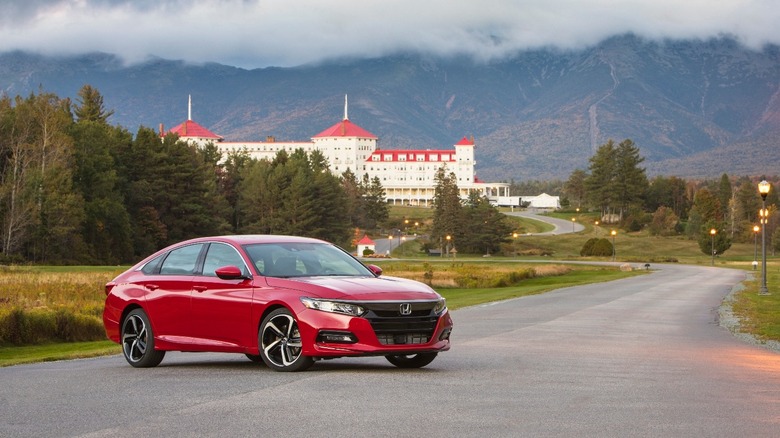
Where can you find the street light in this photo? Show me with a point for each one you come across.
(614, 250)
(755, 246)
(574, 219)
(713, 231)
(763, 189)
(448, 244)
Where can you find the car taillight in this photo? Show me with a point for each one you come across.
(110, 285)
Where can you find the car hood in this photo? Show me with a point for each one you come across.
(357, 288)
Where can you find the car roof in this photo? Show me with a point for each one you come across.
(243, 239)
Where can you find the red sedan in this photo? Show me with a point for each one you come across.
(288, 301)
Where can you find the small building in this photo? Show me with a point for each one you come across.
(542, 202)
(364, 244)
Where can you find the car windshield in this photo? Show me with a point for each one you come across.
(303, 260)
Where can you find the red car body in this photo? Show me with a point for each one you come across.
(231, 294)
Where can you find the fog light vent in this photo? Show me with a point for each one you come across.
(336, 337)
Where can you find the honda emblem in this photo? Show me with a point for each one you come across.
(406, 309)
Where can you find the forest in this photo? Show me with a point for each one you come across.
(75, 189)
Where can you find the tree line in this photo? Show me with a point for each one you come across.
(75, 189)
(617, 187)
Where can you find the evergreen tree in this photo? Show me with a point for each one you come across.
(717, 243)
(630, 181)
(106, 229)
(484, 228)
(140, 180)
(229, 177)
(575, 187)
(616, 182)
(90, 108)
(355, 205)
(447, 206)
(725, 194)
(600, 183)
(377, 210)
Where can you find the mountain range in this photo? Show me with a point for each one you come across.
(695, 109)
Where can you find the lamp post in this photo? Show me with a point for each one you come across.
(755, 246)
(574, 219)
(448, 244)
(763, 189)
(713, 231)
(614, 250)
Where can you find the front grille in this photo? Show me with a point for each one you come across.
(392, 328)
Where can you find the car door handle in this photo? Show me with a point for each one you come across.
(152, 286)
(199, 288)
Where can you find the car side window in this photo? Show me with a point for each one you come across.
(220, 255)
(181, 261)
(151, 267)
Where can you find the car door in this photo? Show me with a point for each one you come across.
(221, 308)
(168, 293)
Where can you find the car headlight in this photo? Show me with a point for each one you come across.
(440, 306)
(333, 306)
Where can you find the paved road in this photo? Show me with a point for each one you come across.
(562, 226)
(640, 357)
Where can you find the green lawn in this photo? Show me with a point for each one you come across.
(760, 315)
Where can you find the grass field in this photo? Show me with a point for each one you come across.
(61, 307)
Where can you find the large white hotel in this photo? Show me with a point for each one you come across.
(408, 176)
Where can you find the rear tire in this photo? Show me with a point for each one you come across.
(280, 342)
(418, 360)
(138, 341)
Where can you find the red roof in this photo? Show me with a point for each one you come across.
(465, 142)
(366, 241)
(190, 129)
(345, 128)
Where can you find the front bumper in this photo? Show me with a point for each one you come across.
(362, 338)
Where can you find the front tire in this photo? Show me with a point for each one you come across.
(280, 342)
(138, 341)
(412, 361)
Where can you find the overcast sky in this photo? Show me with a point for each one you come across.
(261, 33)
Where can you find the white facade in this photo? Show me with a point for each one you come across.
(408, 176)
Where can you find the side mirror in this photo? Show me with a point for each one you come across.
(375, 269)
(229, 273)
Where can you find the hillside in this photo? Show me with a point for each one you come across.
(695, 108)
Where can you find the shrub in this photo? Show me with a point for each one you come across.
(597, 247)
(587, 248)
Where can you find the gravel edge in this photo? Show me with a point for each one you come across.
(731, 322)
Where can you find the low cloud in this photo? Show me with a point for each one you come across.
(292, 32)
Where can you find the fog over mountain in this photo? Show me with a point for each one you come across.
(695, 108)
